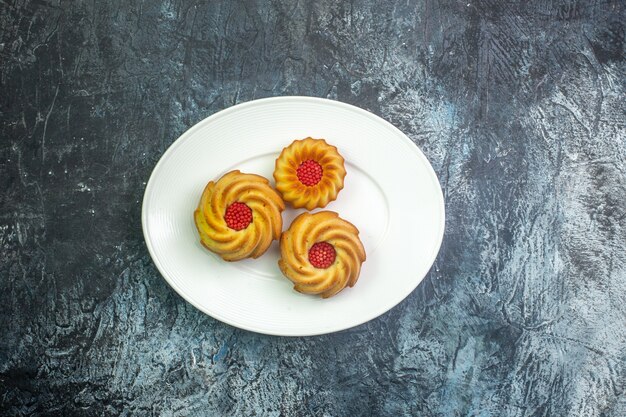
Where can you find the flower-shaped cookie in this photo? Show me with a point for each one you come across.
(321, 253)
(239, 216)
(309, 173)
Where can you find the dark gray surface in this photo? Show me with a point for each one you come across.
(518, 105)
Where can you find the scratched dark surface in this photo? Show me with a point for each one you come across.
(518, 105)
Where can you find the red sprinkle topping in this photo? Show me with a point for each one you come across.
(322, 255)
(238, 216)
(309, 172)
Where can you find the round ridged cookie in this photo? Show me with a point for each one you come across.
(309, 173)
(239, 216)
(321, 253)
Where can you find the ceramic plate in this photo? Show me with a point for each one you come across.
(391, 194)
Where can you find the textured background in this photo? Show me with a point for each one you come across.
(518, 105)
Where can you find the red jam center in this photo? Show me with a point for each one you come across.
(238, 216)
(322, 255)
(309, 172)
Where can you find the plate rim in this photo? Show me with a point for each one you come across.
(315, 100)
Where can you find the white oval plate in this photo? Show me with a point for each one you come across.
(391, 194)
